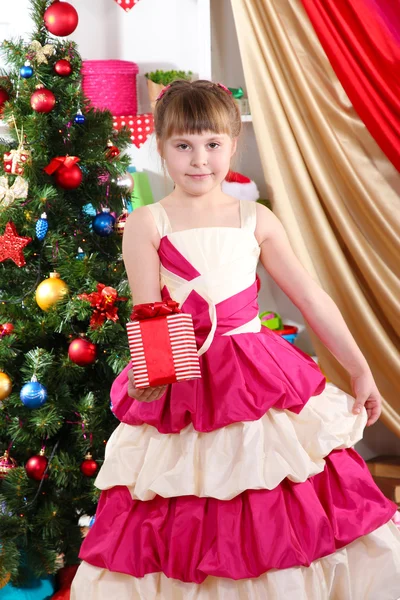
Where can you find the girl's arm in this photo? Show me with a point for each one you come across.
(318, 309)
(139, 252)
(142, 264)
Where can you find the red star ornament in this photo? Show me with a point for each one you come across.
(11, 245)
(127, 4)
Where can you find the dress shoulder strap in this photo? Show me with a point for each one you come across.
(161, 218)
(248, 212)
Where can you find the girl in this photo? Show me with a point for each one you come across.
(241, 485)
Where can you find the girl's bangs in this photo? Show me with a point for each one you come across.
(186, 115)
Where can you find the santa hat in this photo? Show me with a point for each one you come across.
(240, 187)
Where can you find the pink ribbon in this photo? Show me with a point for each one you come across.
(230, 313)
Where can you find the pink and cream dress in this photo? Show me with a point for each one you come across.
(242, 485)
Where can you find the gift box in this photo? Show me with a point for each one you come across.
(15, 160)
(140, 126)
(274, 322)
(162, 344)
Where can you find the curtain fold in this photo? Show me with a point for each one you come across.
(362, 41)
(334, 190)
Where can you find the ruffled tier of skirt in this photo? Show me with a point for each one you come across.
(242, 456)
(190, 538)
(366, 569)
(243, 376)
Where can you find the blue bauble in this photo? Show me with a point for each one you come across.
(79, 118)
(26, 71)
(103, 223)
(33, 394)
(42, 227)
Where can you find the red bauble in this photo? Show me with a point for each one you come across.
(61, 18)
(89, 466)
(82, 352)
(36, 466)
(6, 329)
(68, 178)
(112, 151)
(63, 67)
(3, 98)
(43, 100)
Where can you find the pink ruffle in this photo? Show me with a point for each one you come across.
(189, 538)
(243, 376)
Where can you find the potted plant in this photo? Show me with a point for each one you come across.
(157, 80)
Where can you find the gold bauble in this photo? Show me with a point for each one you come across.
(51, 291)
(5, 386)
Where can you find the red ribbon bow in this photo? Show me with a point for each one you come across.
(60, 161)
(154, 309)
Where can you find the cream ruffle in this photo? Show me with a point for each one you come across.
(367, 569)
(223, 463)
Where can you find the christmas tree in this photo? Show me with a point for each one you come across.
(63, 185)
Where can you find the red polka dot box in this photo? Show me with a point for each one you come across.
(140, 127)
(111, 85)
(127, 4)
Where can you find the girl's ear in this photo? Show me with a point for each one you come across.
(234, 146)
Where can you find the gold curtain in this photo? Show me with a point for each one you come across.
(334, 190)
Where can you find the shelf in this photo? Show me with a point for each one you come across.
(247, 118)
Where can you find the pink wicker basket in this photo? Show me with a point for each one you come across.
(111, 84)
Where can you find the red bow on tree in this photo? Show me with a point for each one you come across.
(60, 161)
(103, 301)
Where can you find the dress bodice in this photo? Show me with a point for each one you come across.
(212, 263)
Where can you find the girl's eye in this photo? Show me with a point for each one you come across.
(183, 146)
(213, 145)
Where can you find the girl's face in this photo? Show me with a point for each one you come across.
(198, 163)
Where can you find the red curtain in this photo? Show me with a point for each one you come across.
(362, 41)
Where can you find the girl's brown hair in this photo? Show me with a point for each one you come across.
(195, 107)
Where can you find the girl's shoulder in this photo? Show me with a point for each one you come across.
(266, 220)
(142, 223)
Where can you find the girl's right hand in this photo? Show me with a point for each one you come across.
(148, 394)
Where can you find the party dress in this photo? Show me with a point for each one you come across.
(244, 484)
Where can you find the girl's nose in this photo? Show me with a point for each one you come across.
(199, 159)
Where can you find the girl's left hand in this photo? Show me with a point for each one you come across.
(366, 394)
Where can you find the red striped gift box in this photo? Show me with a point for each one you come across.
(163, 350)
